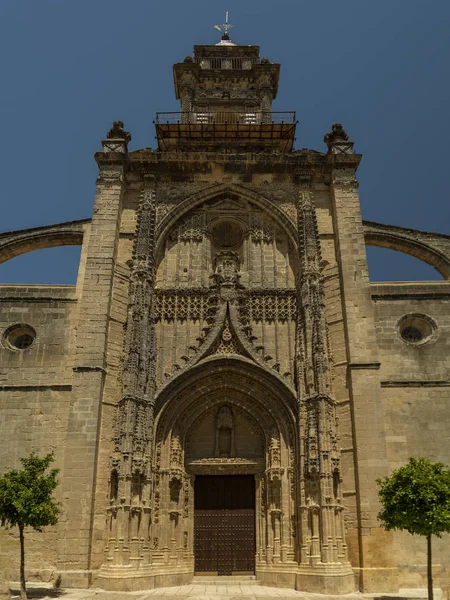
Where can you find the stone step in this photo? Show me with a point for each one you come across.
(225, 580)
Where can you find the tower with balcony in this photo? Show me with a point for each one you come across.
(226, 93)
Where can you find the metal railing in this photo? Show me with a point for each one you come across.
(227, 62)
(225, 117)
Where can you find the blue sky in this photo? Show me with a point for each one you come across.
(70, 68)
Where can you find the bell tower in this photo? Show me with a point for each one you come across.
(226, 93)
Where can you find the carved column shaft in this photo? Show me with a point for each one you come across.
(133, 442)
(319, 452)
(187, 95)
(266, 96)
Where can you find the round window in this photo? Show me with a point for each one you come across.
(19, 337)
(417, 329)
(227, 234)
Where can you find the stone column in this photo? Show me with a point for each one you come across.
(376, 569)
(266, 96)
(319, 461)
(187, 95)
(89, 369)
(131, 461)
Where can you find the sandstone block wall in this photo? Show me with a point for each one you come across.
(415, 383)
(35, 388)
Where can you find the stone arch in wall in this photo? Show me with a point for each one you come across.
(225, 417)
(14, 243)
(225, 238)
(232, 191)
(431, 248)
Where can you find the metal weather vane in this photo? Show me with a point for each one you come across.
(223, 29)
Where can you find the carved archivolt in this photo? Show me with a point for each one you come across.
(229, 422)
(238, 195)
(235, 379)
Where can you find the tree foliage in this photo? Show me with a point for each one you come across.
(416, 498)
(26, 500)
(26, 495)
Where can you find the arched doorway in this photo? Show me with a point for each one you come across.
(225, 471)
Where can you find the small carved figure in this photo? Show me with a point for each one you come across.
(227, 268)
(224, 433)
(337, 134)
(117, 132)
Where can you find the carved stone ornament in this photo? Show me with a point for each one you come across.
(190, 229)
(231, 466)
(194, 304)
(268, 305)
(117, 132)
(274, 448)
(110, 175)
(345, 177)
(226, 273)
(224, 439)
(337, 140)
(261, 232)
(116, 139)
(175, 450)
(175, 476)
(337, 134)
(139, 465)
(275, 474)
(227, 343)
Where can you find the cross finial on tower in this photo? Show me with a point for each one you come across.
(223, 29)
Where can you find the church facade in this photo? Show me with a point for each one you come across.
(223, 386)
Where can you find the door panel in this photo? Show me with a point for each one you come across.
(224, 527)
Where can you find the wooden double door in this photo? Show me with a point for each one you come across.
(224, 524)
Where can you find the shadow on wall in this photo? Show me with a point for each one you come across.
(390, 265)
(52, 266)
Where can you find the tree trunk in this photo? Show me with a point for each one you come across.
(23, 590)
(429, 569)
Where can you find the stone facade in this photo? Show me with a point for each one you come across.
(223, 322)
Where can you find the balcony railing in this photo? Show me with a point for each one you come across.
(225, 117)
(227, 62)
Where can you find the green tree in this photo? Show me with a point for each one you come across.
(416, 498)
(26, 500)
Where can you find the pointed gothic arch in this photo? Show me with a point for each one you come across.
(220, 190)
(199, 378)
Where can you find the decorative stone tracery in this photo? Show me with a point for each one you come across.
(296, 465)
